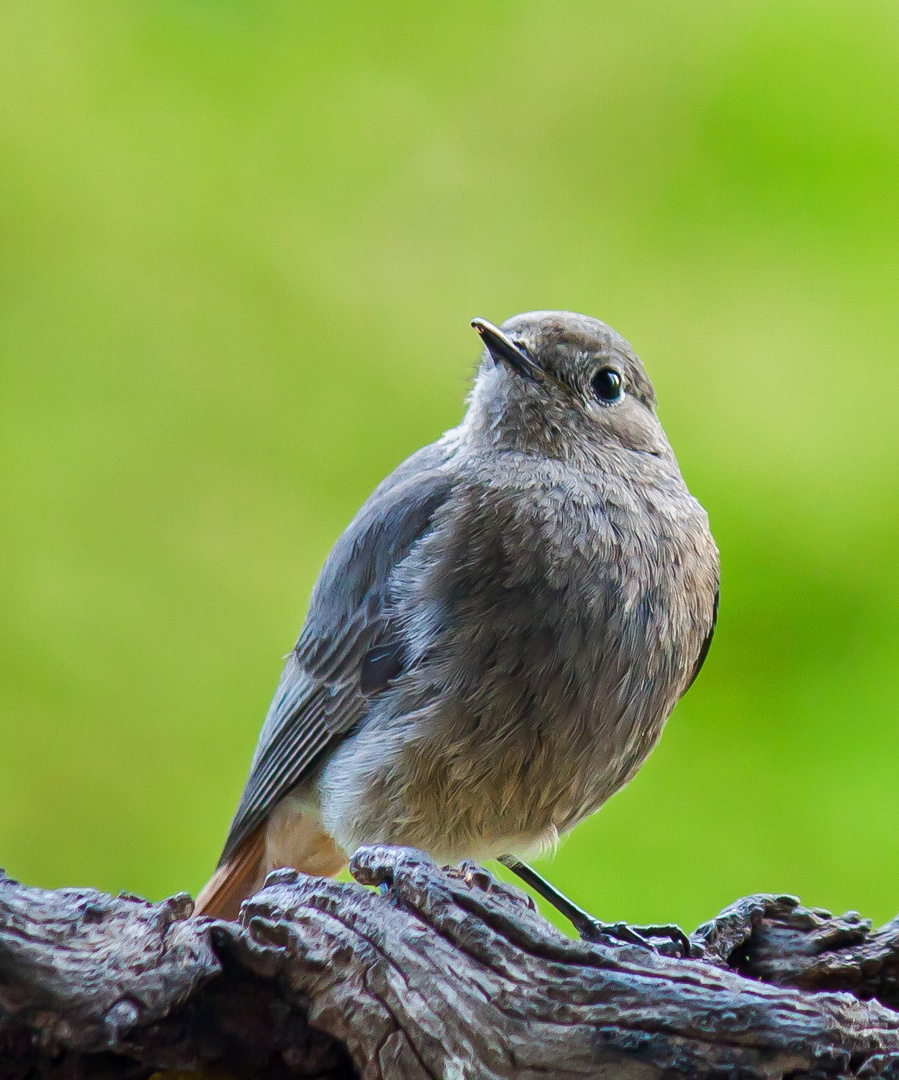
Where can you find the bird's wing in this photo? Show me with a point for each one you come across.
(346, 651)
(707, 643)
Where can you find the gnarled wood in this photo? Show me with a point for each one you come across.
(438, 973)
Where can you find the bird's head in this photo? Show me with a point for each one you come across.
(565, 385)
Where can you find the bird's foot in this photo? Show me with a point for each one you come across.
(667, 940)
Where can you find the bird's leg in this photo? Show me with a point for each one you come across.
(586, 925)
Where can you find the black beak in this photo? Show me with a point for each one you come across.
(501, 348)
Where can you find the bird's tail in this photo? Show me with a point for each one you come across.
(234, 880)
(287, 839)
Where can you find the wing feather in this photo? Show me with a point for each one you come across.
(707, 643)
(319, 699)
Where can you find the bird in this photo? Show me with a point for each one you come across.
(496, 641)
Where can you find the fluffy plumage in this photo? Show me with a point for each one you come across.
(495, 642)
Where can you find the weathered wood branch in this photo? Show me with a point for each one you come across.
(440, 973)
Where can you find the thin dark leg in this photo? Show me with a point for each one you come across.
(581, 920)
(585, 924)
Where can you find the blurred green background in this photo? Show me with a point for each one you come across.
(240, 243)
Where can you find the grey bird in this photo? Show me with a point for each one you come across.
(496, 641)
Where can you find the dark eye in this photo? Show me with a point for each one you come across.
(606, 384)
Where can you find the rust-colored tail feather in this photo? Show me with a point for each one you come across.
(288, 838)
(233, 881)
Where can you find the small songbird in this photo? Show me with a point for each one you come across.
(495, 642)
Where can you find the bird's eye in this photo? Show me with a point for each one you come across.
(606, 385)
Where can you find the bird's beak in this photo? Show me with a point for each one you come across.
(501, 348)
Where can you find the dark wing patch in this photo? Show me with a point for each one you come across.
(381, 665)
(707, 644)
(347, 650)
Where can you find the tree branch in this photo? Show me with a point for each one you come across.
(440, 973)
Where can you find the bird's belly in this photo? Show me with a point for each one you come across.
(465, 788)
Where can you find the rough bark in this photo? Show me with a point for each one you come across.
(439, 973)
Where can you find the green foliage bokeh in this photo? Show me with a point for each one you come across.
(240, 243)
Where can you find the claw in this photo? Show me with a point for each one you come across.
(666, 940)
(594, 930)
(677, 943)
